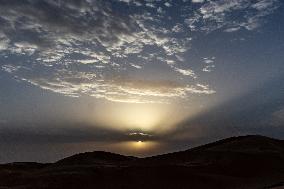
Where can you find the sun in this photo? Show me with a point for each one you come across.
(139, 144)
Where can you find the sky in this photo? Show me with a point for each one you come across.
(85, 75)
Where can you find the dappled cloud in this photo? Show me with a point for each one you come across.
(85, 47)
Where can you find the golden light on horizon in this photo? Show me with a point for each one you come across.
(139, 144)
(138, 148)
(142, 119)
(146, 118)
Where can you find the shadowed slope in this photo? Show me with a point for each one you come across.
(238, 162)
(96, 157)
(234, 152)
(250, 144)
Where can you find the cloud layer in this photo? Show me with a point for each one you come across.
(105, 49)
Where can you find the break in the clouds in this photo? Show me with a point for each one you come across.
(106, 49)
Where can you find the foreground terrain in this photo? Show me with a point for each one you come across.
(238, 162)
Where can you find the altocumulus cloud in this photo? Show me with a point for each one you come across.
(86, 47)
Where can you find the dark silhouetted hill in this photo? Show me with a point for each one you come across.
(96, 157)
(250, 145)
(238, 162)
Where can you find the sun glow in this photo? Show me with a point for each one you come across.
(137, 148)
(146, 118)
(139, 143)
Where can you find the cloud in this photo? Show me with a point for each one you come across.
(136, 66)
(177, 28)
(73, 47)
(72, 134)
(208, 68)
(214, 15)
(140, 136)
(209, 60)
(233, 29)
(187, 72)
(127, 90)
(197, 1)
(4, 41)
(208, 64)
(167, 4)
